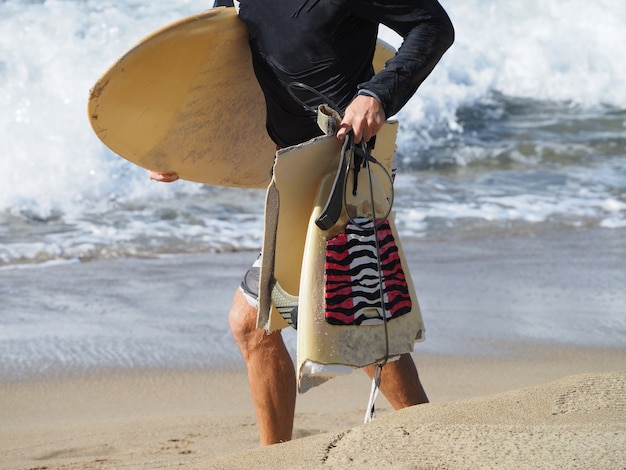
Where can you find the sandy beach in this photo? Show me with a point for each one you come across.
(526, 401)
(485, 413)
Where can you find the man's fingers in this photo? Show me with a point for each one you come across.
(162, 177)
(364, 117)
(360, 132)
(358, 127)
(342, 132)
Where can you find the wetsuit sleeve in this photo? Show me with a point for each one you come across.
(427, 32)
(223, 3)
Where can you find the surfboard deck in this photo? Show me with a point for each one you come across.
(294, 253)
(185, 99)
(340, 317)
(325, 338)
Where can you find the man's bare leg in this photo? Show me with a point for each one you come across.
(271, 373)
(400, 383)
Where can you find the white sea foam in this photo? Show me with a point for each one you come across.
(560, 50)
(50, 55)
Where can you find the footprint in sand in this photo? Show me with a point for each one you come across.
(592, 393)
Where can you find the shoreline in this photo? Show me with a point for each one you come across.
(529, 352)
(477, 297)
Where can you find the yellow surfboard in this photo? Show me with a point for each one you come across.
(185, 99)
(329, 335)
(295, 256)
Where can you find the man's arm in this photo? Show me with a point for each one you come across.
(427, 32)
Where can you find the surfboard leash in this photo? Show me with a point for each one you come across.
(370, 412)
(293, 86)
(360, 156)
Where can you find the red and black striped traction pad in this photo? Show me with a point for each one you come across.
(352, 292)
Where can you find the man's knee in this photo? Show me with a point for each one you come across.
(243, 325)
(242, 316)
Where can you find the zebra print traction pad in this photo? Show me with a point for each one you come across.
(353, 281)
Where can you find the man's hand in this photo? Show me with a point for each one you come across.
(162, 177)
(364, 117)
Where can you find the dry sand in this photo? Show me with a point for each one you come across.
(486, 413)
(577, 422)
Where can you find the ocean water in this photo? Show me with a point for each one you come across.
(521, 128)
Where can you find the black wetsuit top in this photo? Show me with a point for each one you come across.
(329, 45)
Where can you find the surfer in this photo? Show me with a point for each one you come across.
(328, 46)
